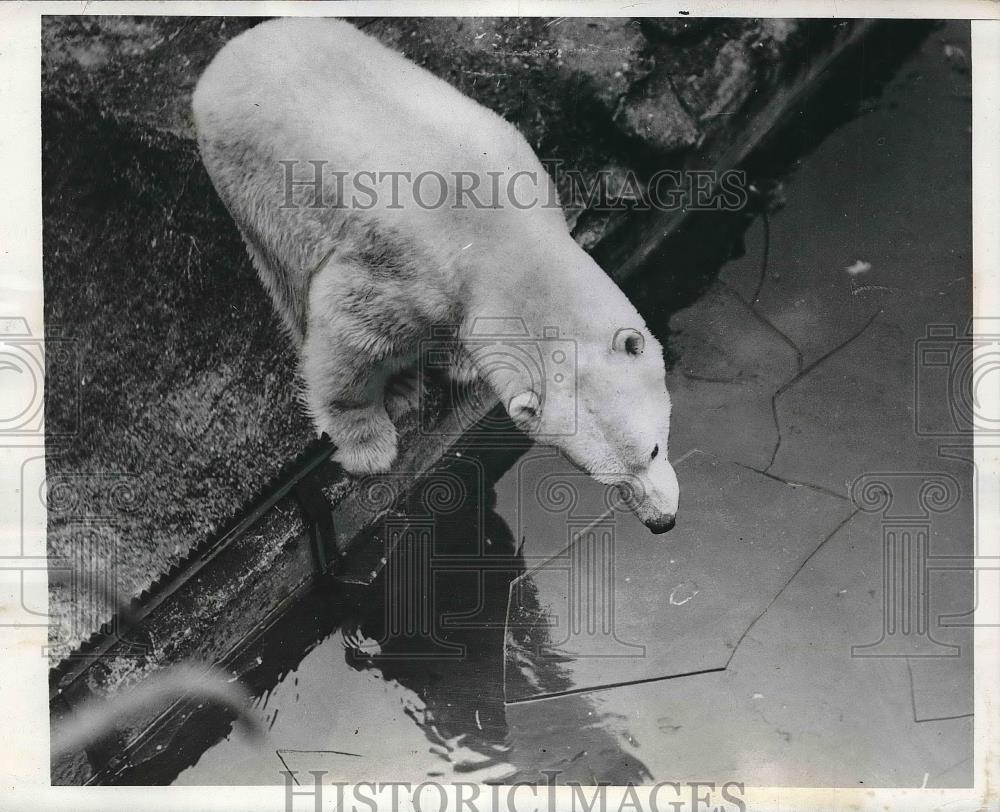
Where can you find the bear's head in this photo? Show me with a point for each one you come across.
(609, 413)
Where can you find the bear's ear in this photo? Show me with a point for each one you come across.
(524, 409)
(628, 340)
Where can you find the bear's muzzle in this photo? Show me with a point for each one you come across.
(661, 524)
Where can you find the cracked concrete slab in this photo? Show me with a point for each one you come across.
(859, 397)
(620, 605)
(820, 686)
(729, 362)
(850, 416)
(881, 196)
(793, 695)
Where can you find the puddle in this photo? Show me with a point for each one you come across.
(426, 675)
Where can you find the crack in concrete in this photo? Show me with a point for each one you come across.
(801, 369)
(913, 703)
(691, 376)
(733, 647)
(762, 276)
(621, 684)
(802, 374)
(791, 578)
(795, 483)
(799, 362)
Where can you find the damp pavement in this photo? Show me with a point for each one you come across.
(758, 641)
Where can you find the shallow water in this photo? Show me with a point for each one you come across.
(418, 676)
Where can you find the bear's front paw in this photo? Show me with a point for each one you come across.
(372, 456)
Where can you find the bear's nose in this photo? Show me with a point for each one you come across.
(661, 524)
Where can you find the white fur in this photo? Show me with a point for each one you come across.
(357, 290)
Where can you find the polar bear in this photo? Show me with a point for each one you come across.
(343, 165)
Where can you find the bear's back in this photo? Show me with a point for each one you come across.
(326, 90)
(301, 90)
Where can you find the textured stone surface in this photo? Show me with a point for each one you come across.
(609, 51)
(658, 118)
(137, 70)
(725, 88)
(672, 29)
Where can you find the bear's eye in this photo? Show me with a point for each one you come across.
(656, 450)
(628, 340)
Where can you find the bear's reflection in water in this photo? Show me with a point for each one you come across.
(436, 624)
